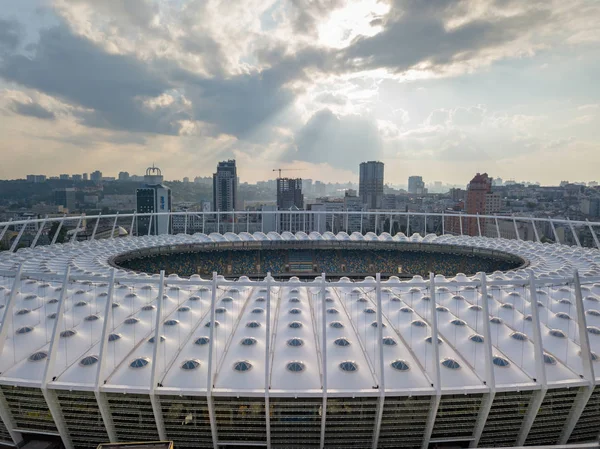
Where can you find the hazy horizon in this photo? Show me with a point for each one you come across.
(440, 89)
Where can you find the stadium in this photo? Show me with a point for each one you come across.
(303, 339)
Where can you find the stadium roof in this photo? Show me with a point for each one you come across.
(347, 312)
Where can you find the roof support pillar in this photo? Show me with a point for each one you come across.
(5, 229)
(585, 392)
(425, 226)
(408, 225)
(112, 233)
(185, 222)
(594, 236)
(9, 421)
(96, 226)
(19, 235)
(497, 227)
(540, 370)
(443, 224)
(150, 219)
(39, 232)
(535, 231)
(517, 236)
(76, 230)
(490, 378)
(10, 305)
(209, 377)
(50, 395)
(478, 224)
(381, 401)
(154, 398)
(574, 233)
(103, 404)
(131, 226)
(106, 414)
(268, 361)
(56, 411)
(460, 222)
(556, 239)
(324, 360)
(435, 353)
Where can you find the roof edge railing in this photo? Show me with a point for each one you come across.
(322, 221)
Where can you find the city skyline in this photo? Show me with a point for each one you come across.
(135, 177)
(318, 85)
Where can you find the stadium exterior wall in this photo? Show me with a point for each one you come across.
(549, 392)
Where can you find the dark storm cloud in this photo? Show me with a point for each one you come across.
(341, 141)
(415, 31)
(11, 34)
(108, 90)
(31, 110)
(109, 86)
(243, 104)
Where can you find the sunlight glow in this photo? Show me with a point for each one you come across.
(354, 20)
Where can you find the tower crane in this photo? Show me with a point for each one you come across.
(287, 169)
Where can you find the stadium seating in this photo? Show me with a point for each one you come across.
(254, 262)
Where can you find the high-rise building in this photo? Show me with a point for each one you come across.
(289, 193)
(77, 178)
(153, 197)
(65, 198)
(353, 203)
(36, 178)
(64, 177)
(479, 200)
(477, 197)
(225, 186)
(416, 185)
(123, 176)
(370, 187)
(85, 177)
(96, 176)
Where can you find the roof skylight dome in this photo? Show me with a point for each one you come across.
(500, 361)
(242, 366)
(295, 342)
(389, 341)
(349, 366)
(450, 363)
(430, 339)
(88, 360)
(190, 364)
(202, 341)
(341, 342)
(476, 338)
(140, 362)
(400, 365)
(295, 367)
(37, 356)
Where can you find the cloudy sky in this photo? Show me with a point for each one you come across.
(440, 88)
